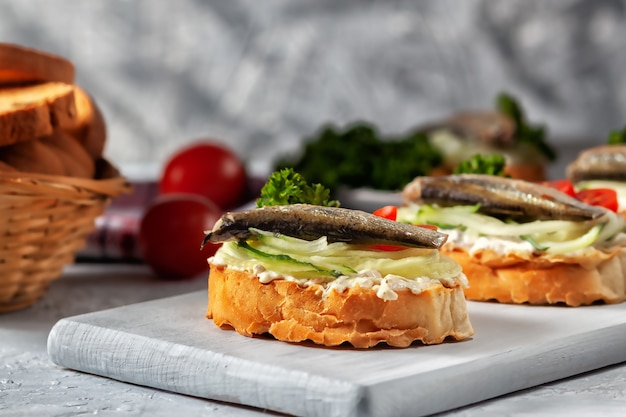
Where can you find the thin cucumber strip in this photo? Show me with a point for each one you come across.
(614, 225)
(575, 244)
(282, 258)
(466, 219)
(348, 260)
(290, 244)
(618, 186)
(534, 243)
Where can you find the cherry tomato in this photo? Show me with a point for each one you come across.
(171, 233)
(205, 168)
(388, 212)
(604, 197)
(565, 186)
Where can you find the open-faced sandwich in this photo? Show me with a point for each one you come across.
(315, 271)
(523, 242)
(504, 131)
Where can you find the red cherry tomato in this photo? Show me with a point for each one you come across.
(388, 212)
(205, 168)
(604, 197)
(171, 232)
(565, 186)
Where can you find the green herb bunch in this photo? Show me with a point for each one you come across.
(359, 156)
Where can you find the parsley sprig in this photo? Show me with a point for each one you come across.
(482, 164)
(286, 186)
(617, 137)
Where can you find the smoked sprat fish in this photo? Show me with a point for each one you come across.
(500, 196)
(606, 162)
(310, 222)
(488, 127)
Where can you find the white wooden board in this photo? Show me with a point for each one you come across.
(169, 344)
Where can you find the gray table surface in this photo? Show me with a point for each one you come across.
(31, 385)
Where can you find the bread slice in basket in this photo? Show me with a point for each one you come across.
(89, 127)
(29, 112)
(23, 65)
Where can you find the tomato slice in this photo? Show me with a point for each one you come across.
(564, 186)
(388, 212)
(428, 226)
(391, 213)
(604, 197)
(387, 248)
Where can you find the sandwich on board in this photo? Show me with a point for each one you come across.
(300, 268)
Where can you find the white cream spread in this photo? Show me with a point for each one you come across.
(473, 243)
(386, 287)
(503, 246)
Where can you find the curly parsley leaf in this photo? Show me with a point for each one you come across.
(483, 164)
(617, 137)
(286, 187)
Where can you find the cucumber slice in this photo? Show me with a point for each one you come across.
(582, 242)
(490, 226)
(273, 253)
(272, 260)
(554, 236)
(618, 186)
(283, 243)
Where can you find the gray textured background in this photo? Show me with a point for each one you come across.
(263, 75)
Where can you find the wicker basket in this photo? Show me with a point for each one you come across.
(44, 222)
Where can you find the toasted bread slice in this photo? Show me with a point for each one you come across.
(89, 127)
(76, 160)
(357, 316)
(32, 156)
(4, 167)
(20, 65)
(33, 111)
(595, 277)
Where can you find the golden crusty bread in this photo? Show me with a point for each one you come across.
(527, 172)
(19, 65)
(574, 281)
(40, 103)
(4, 167)
(76, 160)
(33, 111)
(356, 316)
(95, 135)
(89, 127)
(84, 111)
(32, 156)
